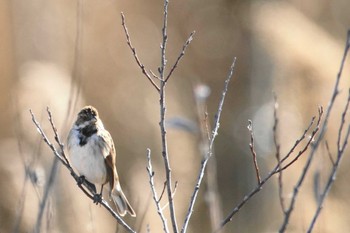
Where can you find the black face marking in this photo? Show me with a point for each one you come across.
(88, 113)
(85, 133)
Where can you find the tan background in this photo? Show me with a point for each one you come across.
(292, 48)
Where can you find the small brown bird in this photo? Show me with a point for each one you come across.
(92, 153)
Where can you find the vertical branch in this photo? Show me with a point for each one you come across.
(162, 104)
(278, 155)
(210, 150)
(163, 78)
(164, 42)
(201, 94)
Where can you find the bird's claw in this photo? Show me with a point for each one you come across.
(97, 198)
(81, 180)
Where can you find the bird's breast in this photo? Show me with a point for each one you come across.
(88, 159)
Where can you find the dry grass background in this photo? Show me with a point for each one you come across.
(292, 48)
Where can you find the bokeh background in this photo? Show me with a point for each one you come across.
(66, 54)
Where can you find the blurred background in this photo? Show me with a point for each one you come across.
(66, 54)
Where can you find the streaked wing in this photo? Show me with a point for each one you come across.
(108, 151)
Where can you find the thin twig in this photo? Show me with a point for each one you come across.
(319, 138)
(188, 41)
(206, 122)
(298, 141)
(175, 188)
(57, 137)
(324, 128)
(162, 105)
(62, 158)
(218, 115)
(274, 171)
(201, 94)
(330, 156)
(252, 149)
(154, 75)
(173, 195)
(340, 147)
(210, 150)
(164, 42)
(161, 195)
(312, 136)
(154, 192)
(290, 209)
(139, 63)
(340, 131)
(278, 155)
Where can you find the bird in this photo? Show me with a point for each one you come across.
(92, 154)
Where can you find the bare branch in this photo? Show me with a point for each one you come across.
(133, 50)
(252, 150)
(334, 94)
(154, 75)
(162, 105)
(302, 176)
(342, 122)
(154, 192)
(188, 41)
(57, 137)
(173, 195)
(161, 195)
(340, 147)
(175, 188)
(324, 128)
(311, 139)
(201, 93)
(320, 136)
(329, 153)
(210, 150)
(206, 122)
(274, 171)
(278, 155)
(164, 42)
(62, 158)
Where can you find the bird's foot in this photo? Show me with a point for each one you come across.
(81, 180)
(97, 198)
(91, 186)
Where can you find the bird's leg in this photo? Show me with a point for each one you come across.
(98, 197)
(82, 179)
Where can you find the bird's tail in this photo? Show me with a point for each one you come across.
(120, 201)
